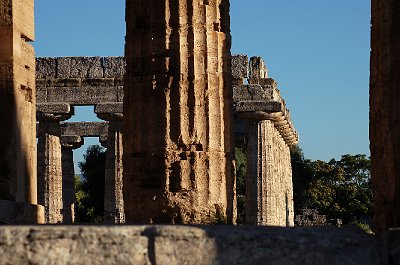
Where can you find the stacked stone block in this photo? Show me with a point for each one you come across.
(263, 122)
(310, 217)
(80, 80)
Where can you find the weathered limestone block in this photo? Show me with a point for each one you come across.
(114, 66)
(385, 112)
(80, 95)
(109, 107)
(17, 110)
(84, 129)
(46, 68)
(20, 213)
(55, 108)
(80, 80)
(52, 68)
(257, 70)
(68, 176)
(88, 67)
(261, 106)
(202, 245)
(267, 91)
(177, 113)
(240, 68)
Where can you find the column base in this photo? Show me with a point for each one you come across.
(12, 212)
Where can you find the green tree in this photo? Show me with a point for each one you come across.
(241, 167)
(338, 189)
(90, 189)
(302, 172)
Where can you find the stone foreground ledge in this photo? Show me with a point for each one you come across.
(188, 245)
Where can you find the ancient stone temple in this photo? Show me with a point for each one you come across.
(18, 187)
(385, 112)
(263, 122)
(177, 113)
(63, 83)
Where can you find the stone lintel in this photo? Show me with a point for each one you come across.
(73, 141)
(80, 67)
(267, 92)
(84, 95)
(84, 129)
(109, 108)
(54, 108)
(258, 106)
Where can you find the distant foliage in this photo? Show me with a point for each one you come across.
(338, 189)
(241, 167)
(89, 190)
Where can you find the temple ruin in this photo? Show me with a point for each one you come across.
(63, 83)
(177, 79)
(270, 191)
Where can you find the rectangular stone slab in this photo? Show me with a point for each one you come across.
(195, 245)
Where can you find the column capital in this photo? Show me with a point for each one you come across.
(53, 111)
(72, 141)
(109, 111)
(256, 111)
(41, 116)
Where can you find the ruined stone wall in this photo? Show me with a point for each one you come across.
(203, 245)
(385, 112)
(177, 112)
(263, 122)
(17, 113)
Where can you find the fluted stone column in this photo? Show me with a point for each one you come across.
(18, 183)
(113, 196)
(69, 143)
(50, 167)
(177, 112)
(385, 112)
(113, 183)
(269, 191)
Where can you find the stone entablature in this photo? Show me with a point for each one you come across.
(261, 95)
(80, 80)
(85, 129)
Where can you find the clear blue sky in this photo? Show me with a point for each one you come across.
(317, 51)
